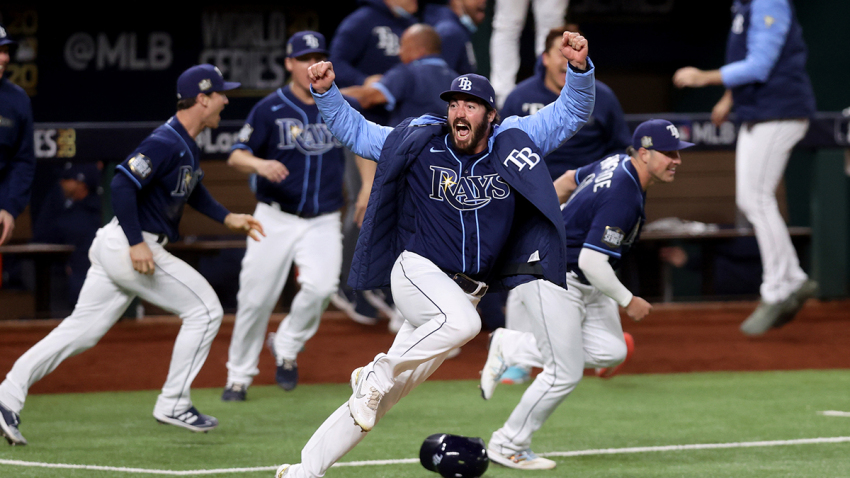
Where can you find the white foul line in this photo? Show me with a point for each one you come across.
(834, 413)
(602, 451)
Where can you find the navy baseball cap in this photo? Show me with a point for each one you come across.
(202, 79)
(474, 85)
(4, 37)
(303, 43)
(658, 134)
(87, 173)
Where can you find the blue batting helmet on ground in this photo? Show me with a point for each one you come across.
(454, 456)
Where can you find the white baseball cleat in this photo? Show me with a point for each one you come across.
(524, 460)
(363, 404)
(495, 365)
(355, 374)
(281, 471)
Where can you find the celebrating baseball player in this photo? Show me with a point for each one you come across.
(299, 167)
(768, 88)
(579, 327)
(128, 260)
(456, 203)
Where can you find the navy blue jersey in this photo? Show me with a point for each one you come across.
(166, 170)
(604, 134)
(605, 212)
(281, 127)
(456, 39)
(766, 62)
(366, 43)
(413, 89)
(17, 155)
(464, 210)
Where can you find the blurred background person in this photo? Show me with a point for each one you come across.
(455, 22)
(70, 214)
(769, 90)
(17, 155)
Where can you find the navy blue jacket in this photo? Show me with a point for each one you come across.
(604, 134)
(388, 223)
(17, 155)
(783, 90)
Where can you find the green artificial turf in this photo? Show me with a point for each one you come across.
(117, 429)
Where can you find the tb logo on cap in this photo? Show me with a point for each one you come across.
(673, 131)
(311, 41)
(465, 84)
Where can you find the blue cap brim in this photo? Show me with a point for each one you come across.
(8, 41)
(230, 85)
(307, 52)
(684, 144)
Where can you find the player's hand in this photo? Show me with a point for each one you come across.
(574, 49)
(372, 79)
(321, 76)
(689, 77)
(720, 112)
(142, 258)
(638, 308)
(244, 223)
(360, 206)
(273, 170)
(7, 225)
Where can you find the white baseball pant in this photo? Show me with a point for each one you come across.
(315, 246)
(508, 21)
(571, 330)
(761, 155)
(439, 317)
(111, 284)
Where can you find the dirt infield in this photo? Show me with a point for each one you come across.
(134, 355)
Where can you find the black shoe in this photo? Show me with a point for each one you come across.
(9, 422)
(234, 393)
(191, 419)
(287, 375)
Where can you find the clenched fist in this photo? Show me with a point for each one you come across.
(574, 49)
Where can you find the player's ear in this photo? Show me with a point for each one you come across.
(202, 99)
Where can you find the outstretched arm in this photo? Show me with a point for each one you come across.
(361, 136)
(559, 120)
(601, 275)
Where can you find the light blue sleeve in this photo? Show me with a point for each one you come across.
(559, 120)
(363, 137)
(770, 21)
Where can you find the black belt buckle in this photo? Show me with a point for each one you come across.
(469, 285)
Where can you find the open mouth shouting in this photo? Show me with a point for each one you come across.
(462, 131)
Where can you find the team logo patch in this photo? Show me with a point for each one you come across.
(140, 165)
(646, 141)
(7, 122)
(613, 237)
(245, 133)
(205, 84)
(522, 158)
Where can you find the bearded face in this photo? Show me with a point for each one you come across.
(470, 125)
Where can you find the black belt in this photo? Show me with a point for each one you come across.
(302, 214)
(579, 276)
(468, 284)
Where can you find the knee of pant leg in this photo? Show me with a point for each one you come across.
(315, 294)
(613, 354)
(467, 326)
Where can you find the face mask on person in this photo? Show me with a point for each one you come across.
(400, 12)
(468, 23)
